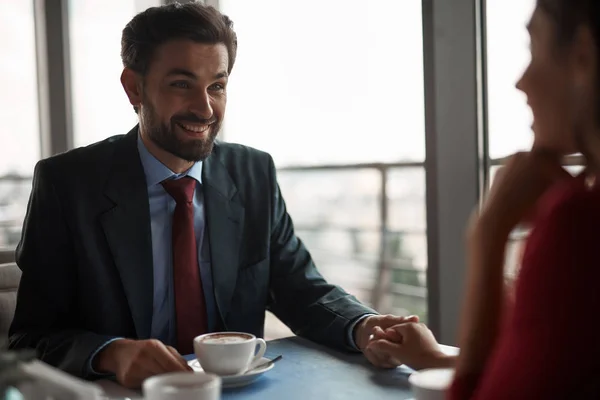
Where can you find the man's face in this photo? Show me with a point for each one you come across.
(184, 96)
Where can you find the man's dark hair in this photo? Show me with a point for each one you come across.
(157, 25)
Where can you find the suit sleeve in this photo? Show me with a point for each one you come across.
(300, 296)
(46, 317)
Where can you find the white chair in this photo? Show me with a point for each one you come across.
(10, 275)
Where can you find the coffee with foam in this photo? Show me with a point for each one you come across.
(223, 338)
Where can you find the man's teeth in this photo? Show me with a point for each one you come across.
(197, 129)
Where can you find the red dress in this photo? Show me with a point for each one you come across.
(549, 348)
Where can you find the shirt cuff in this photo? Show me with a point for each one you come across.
(90, 369)
(350, 332)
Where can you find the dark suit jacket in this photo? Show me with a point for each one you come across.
(86, 254)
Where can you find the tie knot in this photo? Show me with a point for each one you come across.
(181, 190)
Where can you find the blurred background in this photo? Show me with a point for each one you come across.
(340, 93)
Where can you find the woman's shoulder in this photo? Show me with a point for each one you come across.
(567, 216)
(571, 196)
(561, 250)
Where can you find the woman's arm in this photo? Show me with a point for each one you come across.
(514, 195)
(483, 303)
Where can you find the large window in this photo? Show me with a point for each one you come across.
(18, 115)
(322, 82)
(507, 57)
(334, 91)
(100, 106)
(510, 117)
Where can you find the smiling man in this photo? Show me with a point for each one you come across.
(135, 245)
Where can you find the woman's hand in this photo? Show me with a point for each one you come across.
(517, 188)
(410, 343)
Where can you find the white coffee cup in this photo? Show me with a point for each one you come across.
(431, 384)
(228, 353)
(182, 386)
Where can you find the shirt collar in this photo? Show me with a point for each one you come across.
(156, 172)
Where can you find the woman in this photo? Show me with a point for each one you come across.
(546, 345)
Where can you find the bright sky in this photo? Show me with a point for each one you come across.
(316, 81)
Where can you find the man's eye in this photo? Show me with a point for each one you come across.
(180, 85)
(218, 87)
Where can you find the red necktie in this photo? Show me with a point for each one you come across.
(190, 309)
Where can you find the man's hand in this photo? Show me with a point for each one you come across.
(132, 361)
(409, 343)
(364, 332)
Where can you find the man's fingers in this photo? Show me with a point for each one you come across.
(179, 357)
(167, 360)
(391, 320)
(144, 367)
(389, 334)
(403, 329)
(384, 356)
(378, 333)
(378, 360)
(393, 336)
(383, 346)
(390, 364)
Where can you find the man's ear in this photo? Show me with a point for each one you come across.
(132, 83)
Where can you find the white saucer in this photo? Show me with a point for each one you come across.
(235, 381)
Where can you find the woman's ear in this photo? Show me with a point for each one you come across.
(584, 58)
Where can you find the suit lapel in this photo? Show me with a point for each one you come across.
(225, 222)
(128, 232)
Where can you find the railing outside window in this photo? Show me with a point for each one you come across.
(376, 247)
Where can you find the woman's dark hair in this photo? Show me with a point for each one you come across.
(157, 25)
(570, 15)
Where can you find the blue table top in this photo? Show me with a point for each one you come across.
(311, 371)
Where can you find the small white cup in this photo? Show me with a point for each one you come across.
(431, 384)
(182, 386)
(228, 353)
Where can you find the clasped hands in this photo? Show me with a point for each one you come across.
(388, 341)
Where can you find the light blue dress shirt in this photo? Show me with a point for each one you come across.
(162, 207)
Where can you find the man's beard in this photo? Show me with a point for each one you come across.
(164, 135)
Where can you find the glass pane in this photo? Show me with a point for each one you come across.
(341, 85)
(510, 118)
(406, 243)
(18, 115)
(337, 214)
(347, 199)
(100, 106)
(346, 257)
(406, 200)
